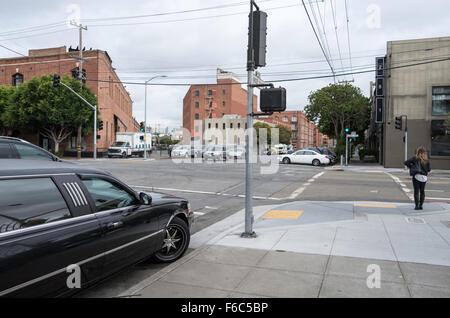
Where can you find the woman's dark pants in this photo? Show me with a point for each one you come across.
(419, 192)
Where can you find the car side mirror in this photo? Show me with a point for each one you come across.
(145, 198)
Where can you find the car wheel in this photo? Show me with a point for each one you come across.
(286, 161)
(176, 242)
(316, 162)
(124, 155)
(109, 157)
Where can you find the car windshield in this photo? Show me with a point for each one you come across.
(119, 144)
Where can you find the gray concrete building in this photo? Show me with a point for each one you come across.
(416, 85)
(230, 129)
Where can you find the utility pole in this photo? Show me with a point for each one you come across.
(81, 78)
(406, 140)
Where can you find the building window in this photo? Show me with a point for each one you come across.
(217, 126)
(197, 116)
(224, 104)
(197, 105)
(285, 119)
(440, 138)
(231, 126)
(294, 127)
(294, 119)
(210, 105)
(209, 126)
(224, 92)
(441, 100)
(17, 79)
(239, 125)
(197, 93)
(196, 129)
(210, 116)
(210, 93)
(224, 126)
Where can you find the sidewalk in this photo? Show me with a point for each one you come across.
(315, 249)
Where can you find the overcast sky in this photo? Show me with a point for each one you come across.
(188, 47)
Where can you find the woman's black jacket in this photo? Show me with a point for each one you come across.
(415, 166)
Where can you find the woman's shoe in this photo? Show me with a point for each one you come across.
(416, 208)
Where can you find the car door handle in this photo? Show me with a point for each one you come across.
(114, 225)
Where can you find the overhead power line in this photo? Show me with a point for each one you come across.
(11, 50)
(318, 40)
(274, 81)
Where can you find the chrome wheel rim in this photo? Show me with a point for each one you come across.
(173, 243)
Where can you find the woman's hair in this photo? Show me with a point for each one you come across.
(422, 155)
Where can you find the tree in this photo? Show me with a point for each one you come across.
(260, 125)
(36, 106)
(335, 106)
(5, 98)
(285, 134)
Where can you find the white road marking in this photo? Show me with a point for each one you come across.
(434, 191)
(438, 199)
(297, 192)
(318, 175)
(199, 213)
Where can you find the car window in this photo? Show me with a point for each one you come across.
(5, 151)
(299, 153)
(107, 195)
(31, 153)
(310, 153)
(30, 202)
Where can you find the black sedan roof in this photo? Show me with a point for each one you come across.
(15, 167)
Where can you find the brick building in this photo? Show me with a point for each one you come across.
(227, 97)
(114, 102)
(304, 133)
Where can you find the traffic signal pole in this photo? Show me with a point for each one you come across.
(406, 141)
(249, 137)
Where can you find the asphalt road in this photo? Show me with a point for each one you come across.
(217, 190)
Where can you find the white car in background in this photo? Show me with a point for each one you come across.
(181, 152)
(236, 152)
(308, 157)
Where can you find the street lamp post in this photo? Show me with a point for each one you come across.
(145, 121)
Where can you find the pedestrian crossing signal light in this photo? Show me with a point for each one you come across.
(100, 125)
(56, 80)
(142, 127)
(399, 123)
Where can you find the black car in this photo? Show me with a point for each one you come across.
(56, 218)
(15, 148)
(325, 151)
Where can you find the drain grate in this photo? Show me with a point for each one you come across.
(415, 220)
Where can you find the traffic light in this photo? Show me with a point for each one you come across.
(259, 38)
(273, 100)
(100, 125)
(399, 123)
(56, 80)
(142, 127)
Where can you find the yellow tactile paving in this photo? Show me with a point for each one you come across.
(283, 214)
(376, 206)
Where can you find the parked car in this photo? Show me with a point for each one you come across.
(236, 152)
(57, 216)
(181, 151)
(305, 157)
(15, 148)
(216, 152)
(325, 151)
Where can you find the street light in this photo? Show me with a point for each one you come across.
(145, 126)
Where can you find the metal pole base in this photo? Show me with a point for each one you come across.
(249, 235)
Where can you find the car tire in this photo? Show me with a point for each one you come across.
(287, 161)
(109, 157)
(177, 230)
(124, 155)
(316, 163)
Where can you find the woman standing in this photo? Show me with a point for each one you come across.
(419, 167)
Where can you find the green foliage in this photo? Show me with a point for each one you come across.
(6, 93)
(36, 106)
(335, 105)
(285, 135)
(260, 125)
